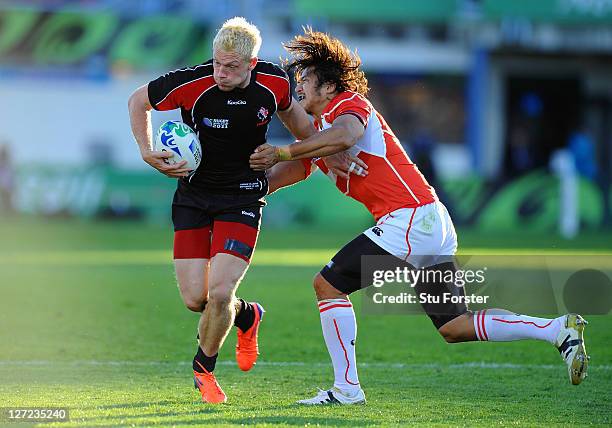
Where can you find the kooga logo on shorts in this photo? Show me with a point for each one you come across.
(216, 123)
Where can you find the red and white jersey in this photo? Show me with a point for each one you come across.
(393, 180)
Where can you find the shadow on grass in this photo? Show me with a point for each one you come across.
(133, 405)
(179, 419)
(295, 420)
(208, 415)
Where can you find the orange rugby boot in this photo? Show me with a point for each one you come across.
(208, 386)
(246, 347)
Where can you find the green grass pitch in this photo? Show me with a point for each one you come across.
(91, 320)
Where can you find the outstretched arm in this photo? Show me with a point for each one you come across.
(285, 174)
(343, 134)
(297, 121)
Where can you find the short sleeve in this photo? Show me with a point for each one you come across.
(180, 88)
(162, 92)
(275, 80)
(353, 104)
(285, 99)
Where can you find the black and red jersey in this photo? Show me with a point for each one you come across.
(230, 125)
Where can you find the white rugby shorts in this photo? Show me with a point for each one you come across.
(422, 236)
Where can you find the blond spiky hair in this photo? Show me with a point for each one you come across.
(238, 35)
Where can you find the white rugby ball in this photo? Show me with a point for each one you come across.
(179, 139)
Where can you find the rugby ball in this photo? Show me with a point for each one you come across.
(179, 139)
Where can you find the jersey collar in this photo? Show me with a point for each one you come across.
(332, 103)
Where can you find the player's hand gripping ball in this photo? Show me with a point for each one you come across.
(180, 140)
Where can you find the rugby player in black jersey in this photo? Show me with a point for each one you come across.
(229, 101)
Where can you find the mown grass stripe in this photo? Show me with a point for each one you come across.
(388, 365)
(302, 257)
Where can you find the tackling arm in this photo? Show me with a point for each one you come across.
(285, 174)
(296, 120)
(343, 134)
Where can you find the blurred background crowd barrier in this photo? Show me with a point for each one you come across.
(505, 105)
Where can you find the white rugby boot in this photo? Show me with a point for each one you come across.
(334, 396)
(570, 344)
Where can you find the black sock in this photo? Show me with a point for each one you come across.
(246, 317)
(201, 360)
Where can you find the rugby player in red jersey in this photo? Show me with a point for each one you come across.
(411, 223)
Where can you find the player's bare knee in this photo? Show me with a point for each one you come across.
(449, 333)
(193, 296)
(452, 331)
(220, 296)
(195, 303)
(324, 290)
(455, 330)
(319, 285)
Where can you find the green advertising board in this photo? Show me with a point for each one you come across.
(529, 204)
(73, 39)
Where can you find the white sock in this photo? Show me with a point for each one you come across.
(340, 332)
(498, 325)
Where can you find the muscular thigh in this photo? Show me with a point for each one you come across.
(235, 231)
(192, 278)
(226, 272)
(234, 237)
(191, 262)
(214, 240)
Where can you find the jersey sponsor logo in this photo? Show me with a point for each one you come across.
(377, 231)
(216, 123)
(236, 102)
(249, 213)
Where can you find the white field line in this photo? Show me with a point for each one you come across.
(390, 365)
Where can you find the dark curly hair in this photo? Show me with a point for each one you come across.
(332, 62)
